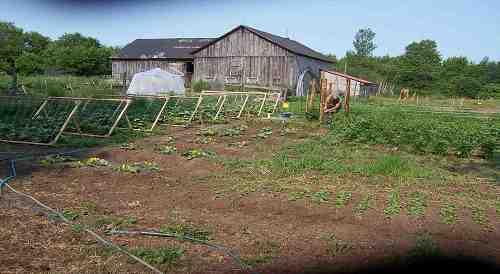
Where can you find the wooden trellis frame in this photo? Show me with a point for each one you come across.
(222, 98)
(123, 102)
(157, 116)
(61, 129)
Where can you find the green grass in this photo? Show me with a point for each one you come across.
(186, 230)
(393, 206)
(425, 247)
(420, 131)
(160, 256)
(417, 204)
(336, 247)
(448, 213)
(479, 216)
(396, 166)
(497, 207)
(342, 199)
(364, 204)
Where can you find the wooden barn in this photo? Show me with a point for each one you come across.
(146, 54)
(247, 56)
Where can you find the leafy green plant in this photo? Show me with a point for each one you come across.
(265, 132)
(128, 146)
(448, 213)
(337, 247)
(425, 247)
(50, 160)
(364, 204)
(479, 215)
(417, 203)
(127, 168)
(185, 230)
(160, 256)
(320, 196)
(70, 215)
(95, 162)
(420, 131)
(197, 153)
(342, 199)
(393, 204)
(166, 149)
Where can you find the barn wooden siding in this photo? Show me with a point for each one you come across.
(131, 67)
(244, 56)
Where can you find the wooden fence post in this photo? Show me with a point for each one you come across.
(348, 95)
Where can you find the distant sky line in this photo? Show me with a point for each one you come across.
(460, 27)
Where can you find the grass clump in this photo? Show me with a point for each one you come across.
(425, 247)
(394, 204)
(417, 203)
(187, 231)
(159, 256)
(337, 247)
(394, 165)
(166, 149)
(364, 204)
(479, 216)
(342, 199)
(449, 214)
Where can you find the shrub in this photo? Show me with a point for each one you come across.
(200, 85)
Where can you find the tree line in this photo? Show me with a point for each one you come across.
(31, 53)
(422, 69)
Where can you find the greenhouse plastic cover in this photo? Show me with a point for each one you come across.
(157, 82)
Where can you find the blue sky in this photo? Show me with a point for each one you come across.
(460, 27)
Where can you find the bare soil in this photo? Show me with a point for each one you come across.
(267, 229)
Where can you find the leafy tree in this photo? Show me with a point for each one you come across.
(466, 86)
(11, 48)
(76, 54)
(419, 66)
(364, 44)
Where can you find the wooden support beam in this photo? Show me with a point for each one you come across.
(348, 95)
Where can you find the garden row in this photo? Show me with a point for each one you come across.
(422, 132)
(32, 119)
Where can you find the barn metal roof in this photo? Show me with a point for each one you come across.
(286, 43)
(172, 48)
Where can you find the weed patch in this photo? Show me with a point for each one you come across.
(364, 204)
(160, 256)
(425, 247)
(197, 153)
(417, 204)
(337, 247)
(448, 213)
(393, 204)
(187, 231)
(342, 199)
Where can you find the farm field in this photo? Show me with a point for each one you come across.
(300, 198)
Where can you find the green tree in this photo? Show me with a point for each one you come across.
(11, 48)
(76, 54)
(364, 44)
(419, 66)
